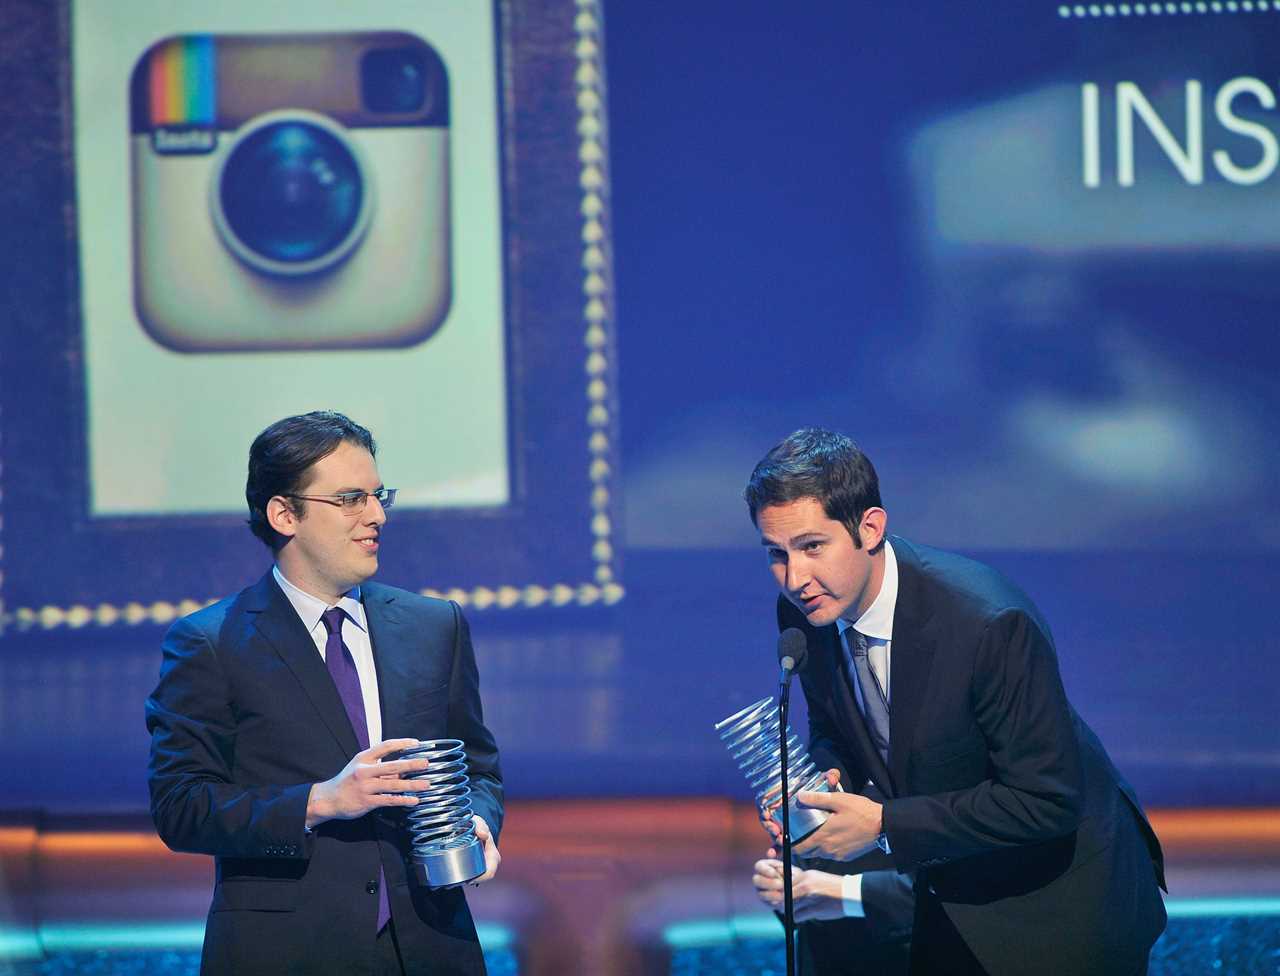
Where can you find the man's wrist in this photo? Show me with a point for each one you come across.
(882, 839)
(317, 808)
(828, 885)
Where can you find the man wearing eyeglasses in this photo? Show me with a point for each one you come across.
(277, 717)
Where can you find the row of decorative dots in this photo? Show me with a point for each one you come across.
(164, 612)
(103, 615)
(1157, 9)
(533, 595)
(595, 281)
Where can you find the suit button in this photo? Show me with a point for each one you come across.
(371, 887)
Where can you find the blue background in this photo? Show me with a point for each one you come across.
(825, 215)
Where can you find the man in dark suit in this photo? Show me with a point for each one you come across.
(934, 681)
(275, 716)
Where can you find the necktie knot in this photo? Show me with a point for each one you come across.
(332, 619)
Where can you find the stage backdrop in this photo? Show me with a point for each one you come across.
(1022, 251)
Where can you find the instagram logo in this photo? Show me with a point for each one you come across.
(290, 191)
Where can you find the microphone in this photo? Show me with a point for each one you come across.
(792, 650)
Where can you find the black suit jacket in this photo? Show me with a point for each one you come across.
(245, 719)
(999, 795)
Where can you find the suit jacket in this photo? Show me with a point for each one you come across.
(245, 719)
(999, 795)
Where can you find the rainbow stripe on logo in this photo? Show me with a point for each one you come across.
(182, 84)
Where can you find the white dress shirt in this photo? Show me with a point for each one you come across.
(355, 634)
(876, 625)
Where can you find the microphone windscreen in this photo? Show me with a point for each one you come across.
(792, 644)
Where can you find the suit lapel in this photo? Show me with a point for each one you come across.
(387, 635)
(914, 644)
(279, 625)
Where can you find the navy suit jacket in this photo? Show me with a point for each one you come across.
(245, 719)
(999, 795)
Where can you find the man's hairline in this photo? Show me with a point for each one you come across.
(303, 485)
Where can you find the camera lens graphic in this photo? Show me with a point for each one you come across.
(291, 196)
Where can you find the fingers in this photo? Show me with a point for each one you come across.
(771, 828)
(394, 786)
(392, 800)
(491, 861)
(385, 748)
(393, 767)
(833, 778)
(492, 858)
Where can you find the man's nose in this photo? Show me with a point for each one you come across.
(374, 513)
(797, 575)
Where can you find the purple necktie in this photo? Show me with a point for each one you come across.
(342, 668)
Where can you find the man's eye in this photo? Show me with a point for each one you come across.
(812, 546)
(352, 498)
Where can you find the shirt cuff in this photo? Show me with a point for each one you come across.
(851, 896)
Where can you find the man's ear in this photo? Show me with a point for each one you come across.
(282, 517)
(872, 528)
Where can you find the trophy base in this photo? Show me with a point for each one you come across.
(449, 866)
(804, 820)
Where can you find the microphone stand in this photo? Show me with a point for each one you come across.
(788, 907)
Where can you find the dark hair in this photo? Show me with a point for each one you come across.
(819, 464)
(283, 453)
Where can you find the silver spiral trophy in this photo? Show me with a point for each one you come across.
(751, 736)
(446, 850)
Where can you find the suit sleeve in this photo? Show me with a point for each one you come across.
(466, 722)
(195, 804)
(889, 904)
(1034, 786)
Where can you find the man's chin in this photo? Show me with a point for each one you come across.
(366, 568)
(819, 614)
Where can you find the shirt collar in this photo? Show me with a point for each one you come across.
(877, 621)
(310, 609)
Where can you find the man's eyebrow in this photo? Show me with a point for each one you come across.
(796, 539)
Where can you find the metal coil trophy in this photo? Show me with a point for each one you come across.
(446, 850)
(751, 737)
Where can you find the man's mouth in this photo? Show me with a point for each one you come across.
(369, 543)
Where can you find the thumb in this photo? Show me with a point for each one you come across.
(821, 801)
(482, 828)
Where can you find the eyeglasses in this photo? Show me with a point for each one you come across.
(353, 502)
